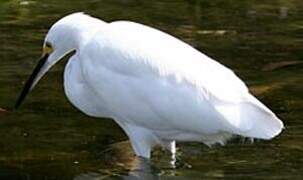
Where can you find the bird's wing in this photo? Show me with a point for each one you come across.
(143, 53)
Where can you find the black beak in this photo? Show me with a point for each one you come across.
(29, 83)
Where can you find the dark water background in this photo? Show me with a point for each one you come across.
(47, 138)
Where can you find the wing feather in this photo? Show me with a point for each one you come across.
(191, 86)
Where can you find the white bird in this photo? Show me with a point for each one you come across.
(156, 87)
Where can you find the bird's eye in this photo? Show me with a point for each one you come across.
(48, 44)
(47, 48)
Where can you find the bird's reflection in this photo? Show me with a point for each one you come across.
(142, 170)
(121, 155)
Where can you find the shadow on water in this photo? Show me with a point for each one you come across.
(49, 139)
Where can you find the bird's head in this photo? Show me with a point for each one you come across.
(63, 38)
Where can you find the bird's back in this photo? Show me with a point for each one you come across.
(154, 80)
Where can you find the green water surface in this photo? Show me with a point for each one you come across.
(47, 138)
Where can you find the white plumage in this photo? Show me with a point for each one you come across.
(156, 87)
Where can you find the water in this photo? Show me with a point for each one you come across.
(49, 139)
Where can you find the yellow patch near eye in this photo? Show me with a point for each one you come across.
(47, 49)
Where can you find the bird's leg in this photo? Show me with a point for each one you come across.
(142, 139)
(171, 147)
(176, 161)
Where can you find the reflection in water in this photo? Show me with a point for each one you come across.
(142, 169)
(123, 163)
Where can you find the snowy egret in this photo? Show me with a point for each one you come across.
(156, 87)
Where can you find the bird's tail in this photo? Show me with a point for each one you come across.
(251, 119)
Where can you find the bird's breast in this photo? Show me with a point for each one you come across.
(79, 93)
